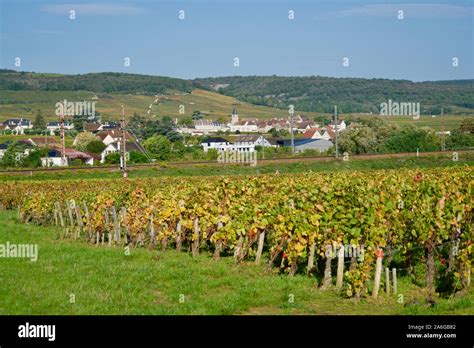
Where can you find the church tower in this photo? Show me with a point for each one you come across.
(235, 116)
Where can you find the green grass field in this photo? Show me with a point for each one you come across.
(103, 280)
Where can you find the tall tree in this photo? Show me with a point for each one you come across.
(39, 123)
(83, 140)
(159, 146)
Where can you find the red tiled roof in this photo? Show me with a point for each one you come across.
(114, 133)
(43, 140)
(91, 127)
(73, 154)
(303, 125)
(330, 131)
(310, 133)
(93, 155)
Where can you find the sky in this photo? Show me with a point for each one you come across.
(421, 46)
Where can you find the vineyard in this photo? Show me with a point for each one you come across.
(294, 223)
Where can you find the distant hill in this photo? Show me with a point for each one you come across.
(22, 93)
(320, 94)
(107, 82)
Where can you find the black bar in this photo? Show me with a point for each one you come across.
(259, 330)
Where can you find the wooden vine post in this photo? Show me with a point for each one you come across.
(327, 269)
(88, 222)
(71, 218)
(195, 247)
(123, 211)
(217, 251)
(240, 243)
(387, 281)
(340, 267)
(378, 273)
(152, 233)
(178, 236)
(116, 225)
(311, 258)
(60, 213)
(164, 240)
(66, 220)
(55, 215)
(261, 240)
(394, 279)
(107, 226)
(80, 223)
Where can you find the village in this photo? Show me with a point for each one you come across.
(239, 135)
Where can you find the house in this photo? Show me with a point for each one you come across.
(218, 143)
(321, 145)
(42, 142)
(73, 154)
(242, 143)
(108, 125)
(206, 126)
(326, 133)
(341, 125)
(263, 126)
(3, 149)
(106, 138)
(245, 143)
(302, 127)
(56, 126)
(113, 136)
(273, 142)
(18, 125)
(248, 142)
(93, 127)
(329, 133)
(115, 147)
(277, 124)
(29, 147)
(54, 158)
(314, 133)
(245, 127)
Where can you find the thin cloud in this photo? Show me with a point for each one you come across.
(416, 10)
(94, 9)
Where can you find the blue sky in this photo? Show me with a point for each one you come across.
(419, 47)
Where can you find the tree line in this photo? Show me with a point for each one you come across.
(320, 94)
(96, 82)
